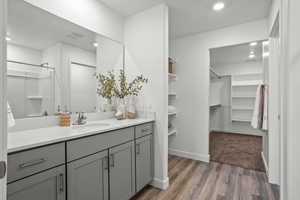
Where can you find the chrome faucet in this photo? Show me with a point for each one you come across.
(80, 119)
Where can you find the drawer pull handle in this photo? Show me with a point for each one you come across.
(145, 130)
(105, 163)
(112, 160)
(32, 163)
(138, 149)
(61, 183)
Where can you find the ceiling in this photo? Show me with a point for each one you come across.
(235, 54)
(194, 16)
(32, 27)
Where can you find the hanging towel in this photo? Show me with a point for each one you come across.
(265, 110)
(256, 118)
(10, 117)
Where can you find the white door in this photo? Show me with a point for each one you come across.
(3, 104)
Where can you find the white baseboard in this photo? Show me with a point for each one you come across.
(265, 163)
(194, 156)
(160, 184)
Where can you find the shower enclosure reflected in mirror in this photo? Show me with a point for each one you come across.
(52, 62)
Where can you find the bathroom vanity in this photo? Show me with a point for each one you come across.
(75, 163)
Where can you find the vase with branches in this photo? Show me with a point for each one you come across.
(124, 89)
(109, 87)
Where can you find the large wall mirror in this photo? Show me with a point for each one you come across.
(52, 63)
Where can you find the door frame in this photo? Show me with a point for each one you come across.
(3, 101)
(284, 38)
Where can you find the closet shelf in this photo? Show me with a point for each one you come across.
(35, 97)
(172, 94)
(35, 115)
(215, 105)
(241, 97)
(172, 113)
(172, 132)
(240, 120)
(246, 83)
(243, 108)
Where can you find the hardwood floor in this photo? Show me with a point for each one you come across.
(194, 180)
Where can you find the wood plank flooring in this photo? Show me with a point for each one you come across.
(194, 180)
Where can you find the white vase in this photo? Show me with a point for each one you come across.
(121, 109)
(131, 109)
(107, 106)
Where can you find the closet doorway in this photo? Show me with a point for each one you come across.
(238, 103)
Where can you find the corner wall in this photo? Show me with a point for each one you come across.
(146, 41)
(192, 67)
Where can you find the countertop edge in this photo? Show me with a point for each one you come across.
(13, 150)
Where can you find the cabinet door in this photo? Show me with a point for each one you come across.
(144, 162)
(122, 172)
(49, 185)
(88, 178)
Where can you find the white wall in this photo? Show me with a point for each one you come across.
(239, 68)
(23, 54)
(192, 55)
(60, 57)
(146, 42)
(292, 68)
(90, 14)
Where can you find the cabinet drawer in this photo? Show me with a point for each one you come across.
(93, 144)
(32, 161)
(143, 130)
(47, 185)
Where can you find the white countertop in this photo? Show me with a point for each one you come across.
(22, 140)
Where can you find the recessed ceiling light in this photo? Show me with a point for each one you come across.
(7, 38)
(253, 44)
(95, 44)
(251, 56)
(218, 6)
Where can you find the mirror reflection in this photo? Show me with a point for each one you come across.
(52, 63)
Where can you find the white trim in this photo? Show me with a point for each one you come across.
(160, 184)
(193, 156)
(284, 53)
(3, 101)
(265, 163)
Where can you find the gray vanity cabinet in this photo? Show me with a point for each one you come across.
(122, 171)
(48, 185)
(88, 178)
(144, 162)
(114, 165)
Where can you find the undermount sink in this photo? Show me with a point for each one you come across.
(92, 125)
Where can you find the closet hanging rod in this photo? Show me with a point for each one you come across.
(84, 65)
(215, 73)
(44, 65)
